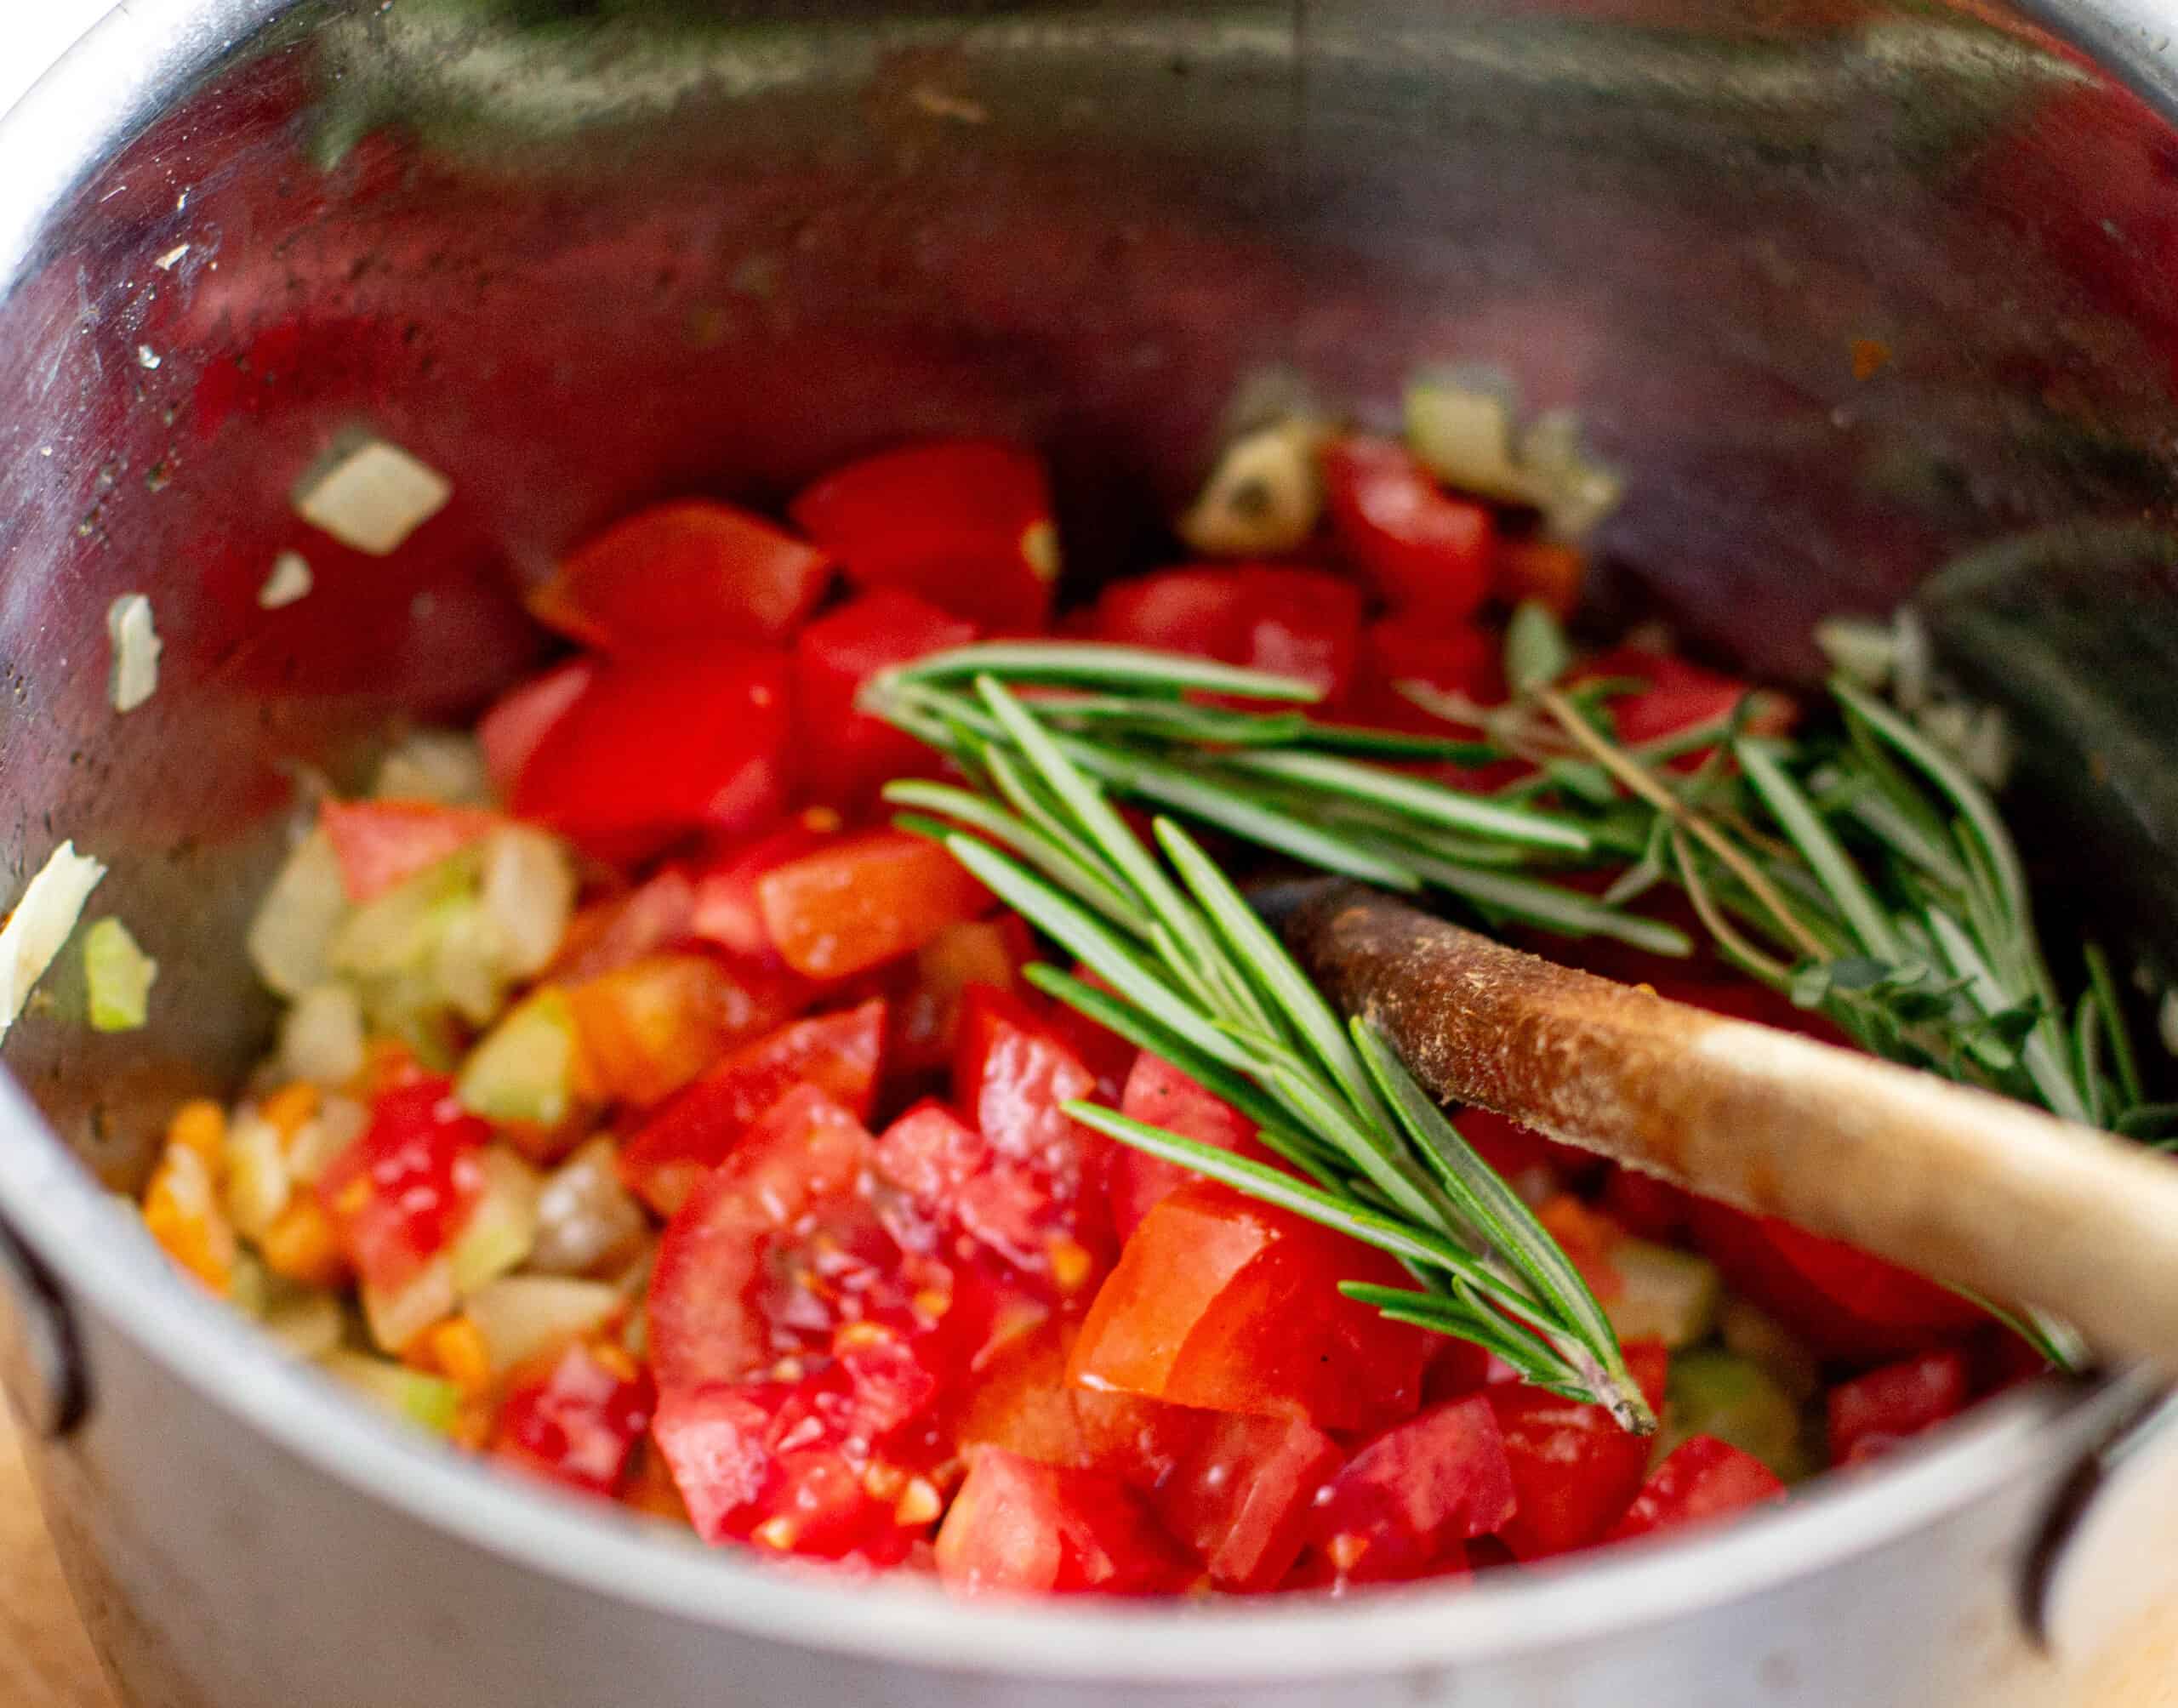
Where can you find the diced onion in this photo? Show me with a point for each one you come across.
(51, 904)
(1573, 493)
(395, 1318)
(289, 581)
(118, 975)
(1669, 1295)
(374, 497)
(1263, 496)
(524, 1315)
(524, 1070)
(136, 648)
(339, 1122)
(322, 1037)
(257, 1185)
(293, 932)
(443, 766)
(1459, 425)
(586, 1219)
(529, 895)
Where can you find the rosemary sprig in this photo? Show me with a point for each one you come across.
(1202, 982)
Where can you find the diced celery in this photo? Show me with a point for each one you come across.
(322, 1036)
(431, 1402)
(119, 975)
(1733, 1398)
(397, 1317)
(524, 1068)
(523, 1315)
(1669, 1295)
(292, 931)
(258, 1182)
(503, 1228)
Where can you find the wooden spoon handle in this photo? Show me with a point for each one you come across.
(1955, 1183)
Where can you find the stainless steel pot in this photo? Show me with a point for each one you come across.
(578, 254)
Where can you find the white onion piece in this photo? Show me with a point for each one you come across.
(290, 580)
(257, 1185)
(1459, 425)
(524, 1315)
(586, 1219)
(529, 895)
(322, 1037)
(51, 904)
(1263, 496)
(396, 1318)
(374, 497)
(136, 649)
(289, 938)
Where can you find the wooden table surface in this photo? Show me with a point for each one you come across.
(46, 1661)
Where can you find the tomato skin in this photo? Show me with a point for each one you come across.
(1872, 1414)
(1299, 622)
(1574, 1471)
(656, 747)
(649, 1027)
(673, 1149)
(1159, 1095)
(1229, 1304)
(1645, 1207)
(1451, 657)
(845, 754)
(380, 844)
(724, 909)
(1441, 1476)
(1019, 1527)
(576, 1419)
(617, 932)
(926, 1016)
(1103, 1051)
(1428, 552)
(704, 1327)
(966, 524)
(683, 575)
(863, 901)
(1240, 1494)
(1872, 1289)
(1703, 1478)
(402, 1193)
(520, 719)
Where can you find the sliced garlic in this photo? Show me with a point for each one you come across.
(290, 580)
(136, 648)
(374, 497)
(52, 902)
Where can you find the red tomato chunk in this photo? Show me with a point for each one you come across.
(1440, 1478)
(1020, 1527)
(401, 1194)
(1292, 622)
(1428, 552)
(860, 903)
(1871, 1414)
(380, 844)
(577, 1420)
(1703, 1478)
(844, 755)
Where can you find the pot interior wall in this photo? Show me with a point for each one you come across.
(1844, 291)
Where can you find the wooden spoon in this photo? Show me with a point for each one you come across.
(1954, 1183)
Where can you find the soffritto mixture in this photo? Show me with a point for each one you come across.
(777, 1074)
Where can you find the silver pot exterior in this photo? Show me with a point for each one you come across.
(582, 256)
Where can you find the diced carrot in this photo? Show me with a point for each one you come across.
(290, 1108)
(184, 1216)
(200, 1126)
(455, 1349)
(300, 1246)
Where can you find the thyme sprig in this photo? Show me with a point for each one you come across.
(1201, 980)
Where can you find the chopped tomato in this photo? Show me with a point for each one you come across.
(657, 748)
(1800, 1294)
(1703, 1478)
(1677, 695)
(678, 576)
(1428, 552)
(1103, 1051)
(1029, 1198)
(1871, 1414)
(1545, 571)
(1442, 1477)
(1297, 623)
(610, 933)
(1159, 1095)
(1023, 1528)
(403, 1191)
(381, 843)
(1587, 1238)
(677, 1147)
(966, 524)
(520, 719)
(805, 1156)
(845, 754)
(926, 1016)
(649, 1027)
(1450, 658)
(1225, 1302)
(576, 1419)
(1240, 1494)
(1645, 1207)
(725, 910)
(1574, 1471)
(863, 901)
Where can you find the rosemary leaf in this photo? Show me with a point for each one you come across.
(1091, 663)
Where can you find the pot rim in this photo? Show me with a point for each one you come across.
(97, 95)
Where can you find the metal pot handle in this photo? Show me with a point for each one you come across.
(41, 1355)
(2109, 1550)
